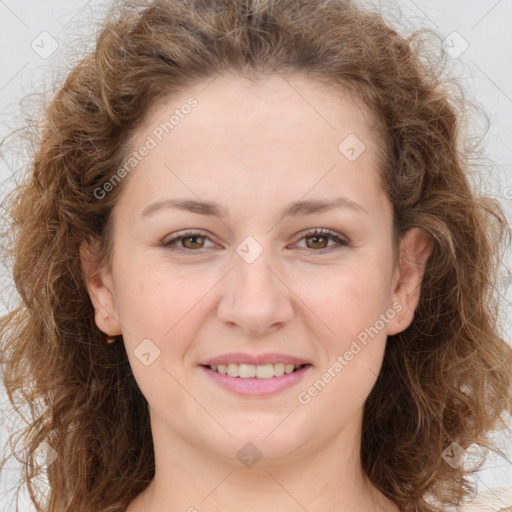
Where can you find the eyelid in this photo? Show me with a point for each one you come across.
(176, 237)
(323, 232)
(340, 239)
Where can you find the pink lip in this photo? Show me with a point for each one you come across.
(254, 386)
(271, 358)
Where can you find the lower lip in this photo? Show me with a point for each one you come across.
(257, 387)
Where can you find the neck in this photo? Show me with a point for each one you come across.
(325, 479)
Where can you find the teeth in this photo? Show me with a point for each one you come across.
(246, 371)
(232, 370)
(261, 371)
(265, 371)
(278, 369)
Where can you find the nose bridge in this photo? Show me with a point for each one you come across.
(255, 298)
(255, 280)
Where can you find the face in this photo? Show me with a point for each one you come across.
(261, 272)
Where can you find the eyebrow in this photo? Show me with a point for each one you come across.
(211, 208)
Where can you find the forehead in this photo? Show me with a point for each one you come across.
(231, 97)
(278, 132)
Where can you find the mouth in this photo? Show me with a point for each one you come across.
(252, 371)
(257, 380)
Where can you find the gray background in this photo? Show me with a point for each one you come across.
(37, 41)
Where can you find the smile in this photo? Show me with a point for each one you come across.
(256, 380)
(261, 371)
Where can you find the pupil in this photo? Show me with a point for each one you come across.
(191, 238)
(317, 237)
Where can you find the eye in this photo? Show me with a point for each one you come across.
(189, 240)
(194, 240)
(320, 239)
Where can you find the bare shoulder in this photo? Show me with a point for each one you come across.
(493, 500)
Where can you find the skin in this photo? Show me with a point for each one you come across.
(256, 148)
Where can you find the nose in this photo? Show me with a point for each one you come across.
(255, 299)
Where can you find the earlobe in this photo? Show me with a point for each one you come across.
(99, 288)
(415, 249)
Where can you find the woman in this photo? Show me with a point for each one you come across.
(253, 272)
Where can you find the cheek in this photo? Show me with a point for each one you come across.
(351, 358)
(152, 298)
(166, 307)
(353, 308)
(348, 300)
(159, 314)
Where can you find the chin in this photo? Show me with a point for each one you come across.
(267, 443)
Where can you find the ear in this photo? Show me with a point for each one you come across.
(415, 248)
(99, 286)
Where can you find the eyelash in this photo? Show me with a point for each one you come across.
(314, 232)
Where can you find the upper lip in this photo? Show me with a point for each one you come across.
(255, 359)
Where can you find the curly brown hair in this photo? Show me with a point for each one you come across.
(446, 378)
